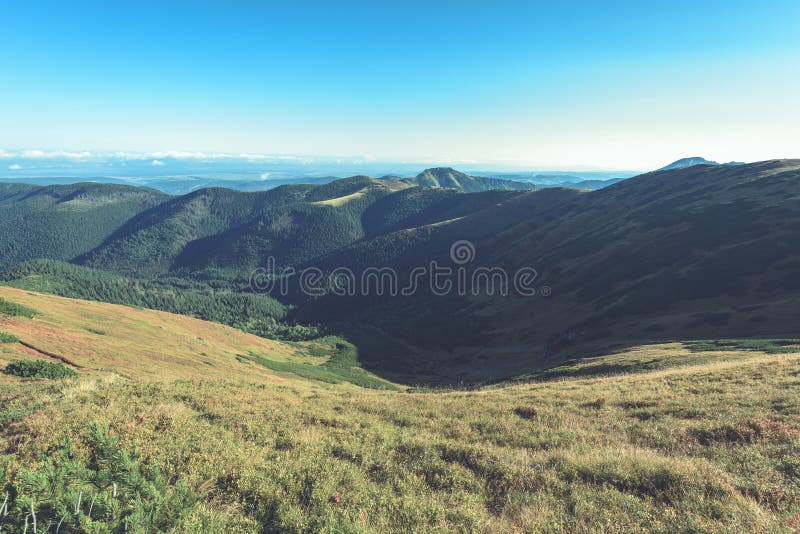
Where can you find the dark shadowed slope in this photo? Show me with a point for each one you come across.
(691, 253)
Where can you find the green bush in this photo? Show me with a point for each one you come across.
(38, 369)
(10, 309)
(8, 338)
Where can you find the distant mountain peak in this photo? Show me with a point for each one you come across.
(696, 160)
(449, 178)
(440, 170)
(688, 162)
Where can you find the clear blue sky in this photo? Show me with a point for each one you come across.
(611, 84)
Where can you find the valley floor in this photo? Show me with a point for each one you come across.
(690, 440)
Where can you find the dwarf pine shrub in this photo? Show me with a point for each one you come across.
(8, 338)
(108, 490)
(38, 369)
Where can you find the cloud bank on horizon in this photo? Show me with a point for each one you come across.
(89, 155)
(162, 157)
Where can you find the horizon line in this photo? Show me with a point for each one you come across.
(158, 158)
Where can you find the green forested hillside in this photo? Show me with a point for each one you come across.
(235, 230)
(11, 190)
(331, 217)
(65, 221)
(142, 233)
(306, 232)
(149, 243)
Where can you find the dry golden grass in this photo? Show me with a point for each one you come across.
(674, 441)
(340, 201)
(135, 343)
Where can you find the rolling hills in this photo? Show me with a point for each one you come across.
(691, 253)
(225, 228)
(237, 231)
(173, 425)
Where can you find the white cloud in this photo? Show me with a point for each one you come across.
(46, 154)
(74, 155)
(15, 167)
(157, 162)
(160, 155)
(253, 156)
(179, 154)
(264, 176)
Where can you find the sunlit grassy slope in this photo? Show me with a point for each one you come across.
(674, 437)
(147, 344)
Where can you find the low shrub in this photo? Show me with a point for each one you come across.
(8, 338)
(38, 369)
(10, 309)
(526, 412)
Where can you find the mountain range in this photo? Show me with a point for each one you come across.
(677, 254)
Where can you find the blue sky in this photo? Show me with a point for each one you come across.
(597, 84)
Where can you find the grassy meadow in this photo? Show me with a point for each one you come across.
(178, 425)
